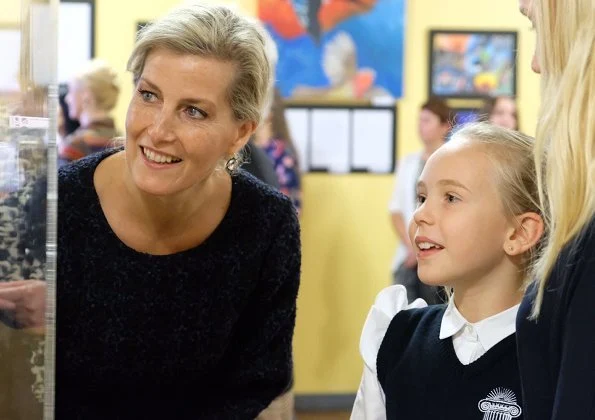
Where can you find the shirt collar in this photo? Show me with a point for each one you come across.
(452, 321)
(490, 331)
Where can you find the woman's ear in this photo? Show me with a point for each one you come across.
(525, 235)
(245, 129)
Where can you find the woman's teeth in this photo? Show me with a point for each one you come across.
(159, 158)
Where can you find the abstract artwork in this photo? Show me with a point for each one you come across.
(471, 64)
(337, 49)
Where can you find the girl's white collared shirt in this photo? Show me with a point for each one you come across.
(470, 342)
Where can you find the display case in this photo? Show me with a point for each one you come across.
(28, 195)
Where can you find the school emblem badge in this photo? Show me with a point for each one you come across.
(500, 404)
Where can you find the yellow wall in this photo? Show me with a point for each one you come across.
(347, 239)
(11, 13)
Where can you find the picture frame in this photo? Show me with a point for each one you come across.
(472, 63)
(343, 51)
(76, 37)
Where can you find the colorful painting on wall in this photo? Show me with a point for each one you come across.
(337, 49)
(472, 64)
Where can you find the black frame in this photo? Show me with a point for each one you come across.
(435, 32)
(392, 108)
(63, 88)
(93, 14)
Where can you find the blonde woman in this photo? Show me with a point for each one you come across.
(92, 94)
(555, 322)
(177, 273)
(457, 361)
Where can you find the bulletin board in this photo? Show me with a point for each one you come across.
(344, 139)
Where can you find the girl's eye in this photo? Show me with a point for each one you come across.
(420, 199)
(451, 198)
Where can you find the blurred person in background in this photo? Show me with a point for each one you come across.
(274, 138)
(502, 111)
(434, 124)
(92, 94)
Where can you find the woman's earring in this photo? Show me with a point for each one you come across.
(231, 164)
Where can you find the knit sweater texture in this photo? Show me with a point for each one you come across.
(201, 334)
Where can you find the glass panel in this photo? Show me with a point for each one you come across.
(28, 103)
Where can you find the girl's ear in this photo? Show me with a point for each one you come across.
(527, 233)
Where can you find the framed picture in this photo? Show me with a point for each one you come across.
(337, 50)
(472, 64)
(76, 36)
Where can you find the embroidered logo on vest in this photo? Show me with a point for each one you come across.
(500, 404)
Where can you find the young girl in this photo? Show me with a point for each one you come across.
(476, 226)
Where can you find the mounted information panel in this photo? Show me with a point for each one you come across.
(344, 139)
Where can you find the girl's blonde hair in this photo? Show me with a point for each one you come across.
(511, 154)
(565, 141)
(102, 82)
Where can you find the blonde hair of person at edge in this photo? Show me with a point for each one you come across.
(177, 273)
(92, 94)
(475, 230)
(556, 343)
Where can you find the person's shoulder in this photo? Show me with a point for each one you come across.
(79, 174)
(576, 263)
(412, 318)
(578, 256)
(389, 303)
(253, 191)
(588, 235)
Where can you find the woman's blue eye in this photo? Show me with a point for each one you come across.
(146, 95)
(195, 112)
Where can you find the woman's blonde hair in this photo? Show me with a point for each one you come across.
(565, 139)
(102, 82)
(511, 154)
(215, 32)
